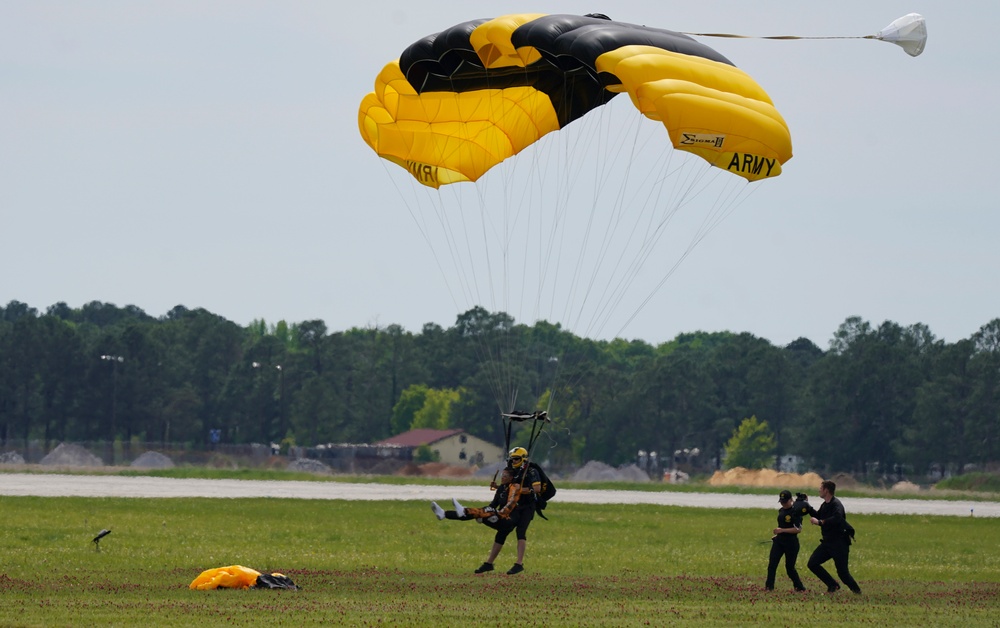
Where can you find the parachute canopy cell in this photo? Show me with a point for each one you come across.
(459, 102)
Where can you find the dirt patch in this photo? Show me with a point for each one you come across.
(739, 476)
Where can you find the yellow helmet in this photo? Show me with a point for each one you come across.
(517, 456)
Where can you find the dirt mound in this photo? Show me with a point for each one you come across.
(458, 472)
(153, 460)
(843, 480)
(905, 487)
(70, 455)
(595, 471)
(632, 473)
(409, 469)
(308, 465)
(437, 470)
(764, 477)
(11, 457)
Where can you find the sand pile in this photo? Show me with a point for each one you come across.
(764, 477)
(308, 465)
(11, 457)
(70, 455)
(845, 480)
(442, 470)
(153, 460)
(595, 471)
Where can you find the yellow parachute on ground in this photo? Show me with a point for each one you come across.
(240, 577)
(459, 102)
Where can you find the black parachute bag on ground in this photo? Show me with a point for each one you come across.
(274, 581)
(548, 490)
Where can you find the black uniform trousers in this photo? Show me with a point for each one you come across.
(519, 520)
(786, 545)
(840, 552)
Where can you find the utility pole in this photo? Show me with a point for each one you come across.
(115, 361)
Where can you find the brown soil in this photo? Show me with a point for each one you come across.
(765, 477)
(436, 470)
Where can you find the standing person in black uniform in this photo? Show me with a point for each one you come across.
(519, 511)
(785, 542)
(836, 542)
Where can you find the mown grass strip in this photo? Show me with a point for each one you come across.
(393, 563)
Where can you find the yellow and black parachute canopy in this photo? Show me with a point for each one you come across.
(458, 102)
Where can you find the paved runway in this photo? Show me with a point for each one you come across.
(59, 485)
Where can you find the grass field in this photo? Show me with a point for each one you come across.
(393, 563)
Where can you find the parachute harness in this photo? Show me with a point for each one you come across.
(538, 420)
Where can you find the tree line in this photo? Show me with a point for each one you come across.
(877, 399)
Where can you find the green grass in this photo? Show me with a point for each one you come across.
(392, 563)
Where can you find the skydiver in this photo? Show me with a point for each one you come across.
(520, 510)
(511, 512)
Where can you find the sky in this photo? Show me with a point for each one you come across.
(207, 154)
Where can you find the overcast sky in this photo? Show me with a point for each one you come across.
(207, 154)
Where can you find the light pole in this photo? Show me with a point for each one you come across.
(115, 361)
(260, 404)
(283, 429)
(265, 432)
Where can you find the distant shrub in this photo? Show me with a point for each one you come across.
(426, 454)
(979, 481)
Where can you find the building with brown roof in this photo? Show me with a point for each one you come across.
(454, 447)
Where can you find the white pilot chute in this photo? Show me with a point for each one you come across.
(908, 32)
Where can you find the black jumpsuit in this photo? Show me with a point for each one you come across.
(786, 545)
(836, 544)
(523, 512)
